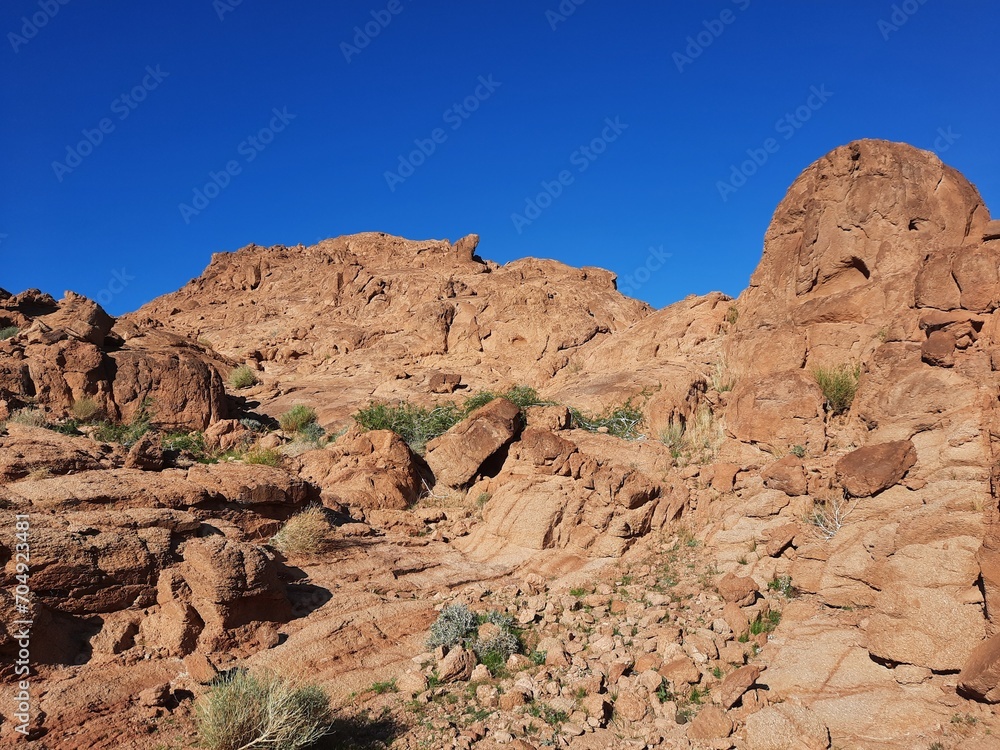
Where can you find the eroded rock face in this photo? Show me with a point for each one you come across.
(367, 470)
(880, 257)
(64, 356)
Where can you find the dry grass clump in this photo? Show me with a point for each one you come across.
(303, 533)
(258, 712)
(84, 409)
(839, 385)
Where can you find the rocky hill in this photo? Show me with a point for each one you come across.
(761, 523)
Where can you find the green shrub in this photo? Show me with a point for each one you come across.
(248, 712)
(456, 625)
(303, 533)
(380, 688)
(9, 332)
(243, 377)
(522, 396)
(297, 418)
(415, 424)
(839, 384)
(263, 456)
(127, 434)
(622, 421)
(189, 442)
(254, 425)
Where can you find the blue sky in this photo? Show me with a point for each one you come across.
(594, 132)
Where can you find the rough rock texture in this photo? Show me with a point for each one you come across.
(65, 355)
(756, 571)
(457, 456)
(367, 470)
(869, 470)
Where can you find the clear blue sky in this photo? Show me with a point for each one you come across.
(216, 82)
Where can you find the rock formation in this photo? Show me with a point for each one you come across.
(798, 545)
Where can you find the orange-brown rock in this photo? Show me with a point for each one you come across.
(737, 683)
(740, 590)
(980, 676)
(786, 475)
(457, 456)
(369, 470)
(711, 723)
(28, 449)
(869, 470)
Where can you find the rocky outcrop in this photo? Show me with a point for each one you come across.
(366, 470)
(66, 354)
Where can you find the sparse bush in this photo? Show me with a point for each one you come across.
(253, 425)
(9, 332)
(84, 409)
(380, 688)
(695, 441)
(303, 533)
(829, 516)
(243, 377)
(522, 396)
(297, 418)
(312, 433)
(622, 421)
(732, 315)
(127, 434)
(783, 585)
(263, 456)
(722, 378)
(839, 385)
(672, 436)
(29, 417)
(247, 712)
(496, 650)
(798, 451)
(415, 424)
(189, 442)
(456, 625)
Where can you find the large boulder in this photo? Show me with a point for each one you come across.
(457, 456)
(26, 450)
(369, 470)
(873, 468)
(79, 317)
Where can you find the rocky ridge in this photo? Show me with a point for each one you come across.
(766, 568)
